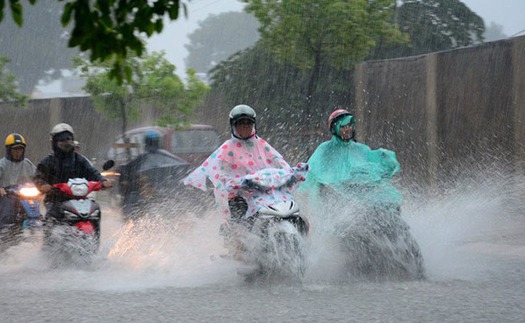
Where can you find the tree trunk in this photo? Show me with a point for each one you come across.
(122, 106)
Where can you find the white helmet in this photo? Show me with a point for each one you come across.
(61, 127)
(242, 111)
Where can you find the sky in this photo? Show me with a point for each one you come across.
(507, 13)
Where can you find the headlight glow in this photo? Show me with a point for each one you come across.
(29, 192)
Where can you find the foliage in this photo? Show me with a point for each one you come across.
(434, 25)
(313, 33)
(305, 32)
(154, 83)
(275, 89)
(8, 87)
(273, 80)
(39, 49)
(109, 29)
(194, 95)
(218, 37)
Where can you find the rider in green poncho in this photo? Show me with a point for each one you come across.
(351, 168)
(353, 183)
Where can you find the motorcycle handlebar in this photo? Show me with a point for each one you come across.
(250, 184)
(270, 179)
(67, 189)
(27, 191)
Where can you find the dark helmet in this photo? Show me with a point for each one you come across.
(242, 112)
(14, 140)
(335, 117)
(152, 140)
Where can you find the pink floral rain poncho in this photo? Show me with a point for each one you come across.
(235, 159)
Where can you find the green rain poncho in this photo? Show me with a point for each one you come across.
(354, 171)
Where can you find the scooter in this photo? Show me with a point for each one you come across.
(77, 232)
(27, 205)
(374, 234)
(21, 215)
(271, 243)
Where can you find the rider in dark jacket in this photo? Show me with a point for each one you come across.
(151, 173)
(60, 166)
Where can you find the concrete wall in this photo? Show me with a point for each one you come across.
(94, 133)
(446, 111)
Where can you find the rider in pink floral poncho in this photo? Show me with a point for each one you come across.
(244, 154)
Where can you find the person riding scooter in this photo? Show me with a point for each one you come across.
(243, 154)
(236, 169)
(15, 169)
(343, 161)
(60, 166)
(150, 174)
(355, 182)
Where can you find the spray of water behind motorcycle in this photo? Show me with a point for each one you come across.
(363, 242)
(454, 224)
(465, 218)
(171, 242)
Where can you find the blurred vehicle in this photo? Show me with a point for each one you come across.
(193, 144)
(24, 215)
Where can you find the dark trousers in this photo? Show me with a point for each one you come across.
(8, 211)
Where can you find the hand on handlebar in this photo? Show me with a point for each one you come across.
(46, 188)
(2, 191)
(250, 185)
(107, 183)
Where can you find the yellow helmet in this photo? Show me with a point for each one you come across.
(15, 140)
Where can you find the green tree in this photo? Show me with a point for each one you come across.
(154, 83)
(39, 49)
(109, 29)
(275, 89)
(310, 33)
(8, 87)
(218, 37)
(433, 25)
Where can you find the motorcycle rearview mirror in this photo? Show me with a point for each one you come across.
(109, 164)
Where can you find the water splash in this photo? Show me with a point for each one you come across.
(456, 228)
(461, 231)
(156, 250)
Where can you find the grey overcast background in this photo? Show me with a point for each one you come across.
(507, 13)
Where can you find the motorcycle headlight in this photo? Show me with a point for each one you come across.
(95, 213)
(29, 192)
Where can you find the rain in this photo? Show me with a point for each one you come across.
(453, 115)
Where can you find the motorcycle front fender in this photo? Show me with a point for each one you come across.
(86, 227)
(286, 227)
(31, 208)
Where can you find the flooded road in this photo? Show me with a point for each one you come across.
(165, 269)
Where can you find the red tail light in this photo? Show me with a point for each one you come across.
(86, 227)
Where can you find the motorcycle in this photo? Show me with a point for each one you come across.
(374, 234)
(77, 231)
(22, 205)
(27, 206)
(270, 243)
